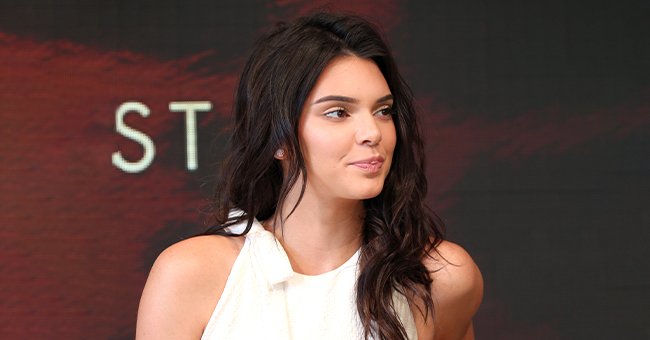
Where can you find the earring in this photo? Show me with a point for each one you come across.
(279, 154)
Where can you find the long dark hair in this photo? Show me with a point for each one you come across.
(399, 230)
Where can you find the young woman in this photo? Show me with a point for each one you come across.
(321, 228)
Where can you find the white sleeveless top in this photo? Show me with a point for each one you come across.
(265, 299)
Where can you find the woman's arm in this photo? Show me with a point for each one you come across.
(184, 286)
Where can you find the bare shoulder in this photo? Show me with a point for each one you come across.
(196, 260)
(453, 269)
(457, 291)
(184, 286)
(199, 253)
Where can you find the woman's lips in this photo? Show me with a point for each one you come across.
(370, 165)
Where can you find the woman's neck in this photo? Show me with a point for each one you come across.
(319, 235)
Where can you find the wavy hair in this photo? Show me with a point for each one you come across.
(399, 230)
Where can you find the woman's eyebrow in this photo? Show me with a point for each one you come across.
(350, 100)
(384, 98)
(337, 99)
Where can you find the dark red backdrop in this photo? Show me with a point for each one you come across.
(537, 124)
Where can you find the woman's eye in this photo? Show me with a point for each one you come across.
(386, 112)
(338, 112)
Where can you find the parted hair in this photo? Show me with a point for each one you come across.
(399, 230)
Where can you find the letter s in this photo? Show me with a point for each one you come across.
(135, 135)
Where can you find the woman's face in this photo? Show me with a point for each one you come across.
(346, 131)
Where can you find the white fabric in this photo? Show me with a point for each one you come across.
(264, 298)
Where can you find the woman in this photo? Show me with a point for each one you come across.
(321, 229)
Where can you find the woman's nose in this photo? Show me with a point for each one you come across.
(367, 130)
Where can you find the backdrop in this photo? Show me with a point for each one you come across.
(113, 117)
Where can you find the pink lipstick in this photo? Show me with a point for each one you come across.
(371, 165)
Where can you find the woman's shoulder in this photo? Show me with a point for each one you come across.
(200, 252)
(457, 290)
(197, 260)
(450, 261)
(190, 277)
